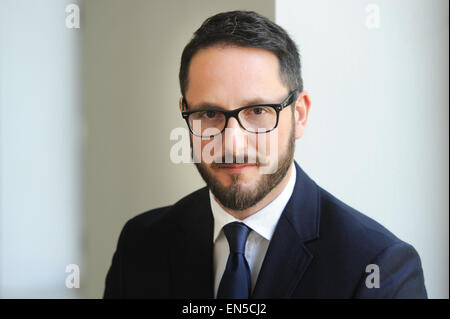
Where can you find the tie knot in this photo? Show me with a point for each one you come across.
(236, 234)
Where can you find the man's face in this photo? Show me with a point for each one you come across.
(229, 78)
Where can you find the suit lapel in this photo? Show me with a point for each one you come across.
(285, 262)
(192, 250)
(287, 257)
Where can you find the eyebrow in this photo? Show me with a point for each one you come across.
(212, 106)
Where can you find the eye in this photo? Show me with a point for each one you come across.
(258, 110)
(210, 114)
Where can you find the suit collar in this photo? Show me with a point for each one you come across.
(303, 208)
(287, 257)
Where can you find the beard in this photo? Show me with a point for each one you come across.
(235, 196)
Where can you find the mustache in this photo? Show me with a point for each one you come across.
(235, 159)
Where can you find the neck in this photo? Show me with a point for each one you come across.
(242, 214)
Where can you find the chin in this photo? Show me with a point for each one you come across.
(245, 182)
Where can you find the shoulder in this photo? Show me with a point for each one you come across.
(365, 246)
(349, 242)
(348, 235)
(344, 225)
(156, 221)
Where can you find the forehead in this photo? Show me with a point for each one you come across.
(230, 74)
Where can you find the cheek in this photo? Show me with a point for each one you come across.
(284, 129)
(209, 149)
(197, 145)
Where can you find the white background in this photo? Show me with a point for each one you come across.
(40, 151)
(378, 128)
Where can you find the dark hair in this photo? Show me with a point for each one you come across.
(245, 29)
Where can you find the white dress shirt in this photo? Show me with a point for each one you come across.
(262, 223)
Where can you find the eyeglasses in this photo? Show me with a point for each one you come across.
(258, 118)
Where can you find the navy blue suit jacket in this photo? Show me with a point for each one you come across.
(320, 249)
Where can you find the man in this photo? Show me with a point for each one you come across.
(261, 228)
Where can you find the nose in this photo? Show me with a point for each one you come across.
(233, 123)
(235, 143)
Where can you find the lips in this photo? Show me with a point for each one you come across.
(235, 168)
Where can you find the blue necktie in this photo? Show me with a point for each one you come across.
(236, 280)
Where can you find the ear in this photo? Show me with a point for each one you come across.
(180, 104)
(301, 112)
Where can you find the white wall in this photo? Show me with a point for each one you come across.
(39, 149)
(378, 130)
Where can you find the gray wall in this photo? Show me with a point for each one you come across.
(131, 52)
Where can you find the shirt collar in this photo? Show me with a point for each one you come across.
(264, 221)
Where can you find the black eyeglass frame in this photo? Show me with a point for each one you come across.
(278, 108)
